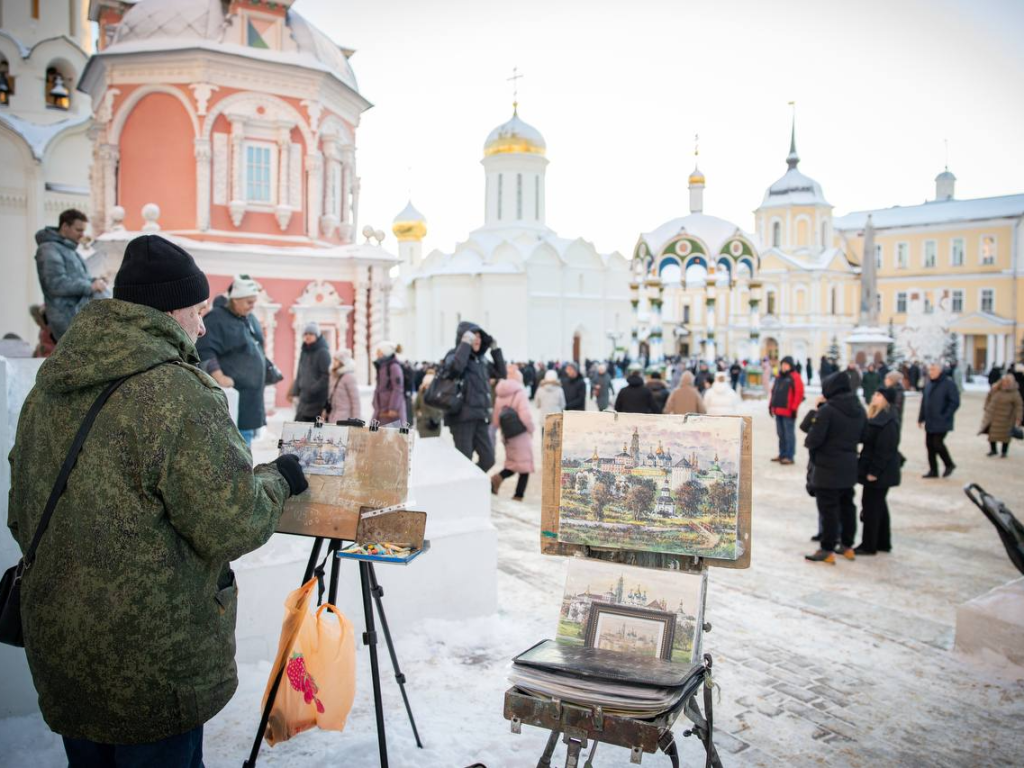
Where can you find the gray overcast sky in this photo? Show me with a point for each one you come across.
(619, 89)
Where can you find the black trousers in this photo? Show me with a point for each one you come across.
(837, 511)
(935, 442)
(875, 516)
(473, 436)
(992, 447)
(524, 478)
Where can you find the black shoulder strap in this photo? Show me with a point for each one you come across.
(69, 464)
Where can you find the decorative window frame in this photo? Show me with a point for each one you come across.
(981, 250)
(981, 300)
(262, 206)
(772, 224)
(956, 293)
(935, 254)
(952, 252)
(906, 255)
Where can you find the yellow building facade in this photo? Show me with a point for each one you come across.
(958, 259)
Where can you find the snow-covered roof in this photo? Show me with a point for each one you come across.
(810, 264)
(937, 212)
(713, 231)
(37, 136)
(164, 25)
(794, 188)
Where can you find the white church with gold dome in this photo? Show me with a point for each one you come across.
(544, 297)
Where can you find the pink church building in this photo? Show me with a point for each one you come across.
(229, 126)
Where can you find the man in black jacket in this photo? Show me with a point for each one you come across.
(939, 402)
(635, 397)
(832, 444)
(468, 361)
(575, 387)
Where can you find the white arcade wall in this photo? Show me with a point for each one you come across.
(456, 579)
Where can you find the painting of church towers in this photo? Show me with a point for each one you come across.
(590, 583)
(651, 483)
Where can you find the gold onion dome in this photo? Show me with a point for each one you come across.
(514, 136)
(697, 177)
(409, 225)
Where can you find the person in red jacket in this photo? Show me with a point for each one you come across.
(787, 394)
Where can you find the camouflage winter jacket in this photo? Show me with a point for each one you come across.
(129, 609)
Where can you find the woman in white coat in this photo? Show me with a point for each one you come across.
(721, 399)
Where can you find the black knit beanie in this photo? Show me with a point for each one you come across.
(159, 274)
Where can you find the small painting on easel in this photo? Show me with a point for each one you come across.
(348, 468)
(321, 450)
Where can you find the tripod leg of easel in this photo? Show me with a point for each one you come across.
(378, 592)
(370, 640)
(549, 750)
(265, 717)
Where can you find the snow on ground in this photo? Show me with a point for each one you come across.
(850, 665)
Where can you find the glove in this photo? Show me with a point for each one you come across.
(467, 337)
(289, 467)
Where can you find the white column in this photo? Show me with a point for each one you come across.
(203, 156)
(348, 171)
(359, 343)
(109, 154)
(990, 343)
(283, 210)
(237, 204)
(378, 307)
(314, 192)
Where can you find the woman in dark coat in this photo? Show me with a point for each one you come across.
(659, 390)
(878, 470)
(310, 389)
(832, 443)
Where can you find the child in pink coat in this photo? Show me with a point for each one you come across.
(510, 393)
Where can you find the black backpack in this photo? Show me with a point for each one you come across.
(445, 392)
(510, 423)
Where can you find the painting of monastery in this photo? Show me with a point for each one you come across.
(655, 591)
(321, 450)
(348, 468)
(651, 483)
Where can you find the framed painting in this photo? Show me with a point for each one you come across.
(596, 585)
(676, 489)
(643, 632)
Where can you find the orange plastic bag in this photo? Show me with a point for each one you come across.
(318, 654)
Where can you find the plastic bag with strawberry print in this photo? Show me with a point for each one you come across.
(318, 655)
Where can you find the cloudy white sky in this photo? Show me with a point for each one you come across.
(620, 88)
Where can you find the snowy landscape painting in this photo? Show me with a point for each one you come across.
(625, 608)
(321, 450)
(651, 483)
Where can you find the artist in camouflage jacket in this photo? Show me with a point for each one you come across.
(129, 609)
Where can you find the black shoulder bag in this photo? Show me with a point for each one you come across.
(445, 391)
(10, 585)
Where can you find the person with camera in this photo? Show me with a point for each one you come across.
(468, 363)
(128, 603)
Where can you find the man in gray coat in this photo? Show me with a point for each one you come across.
(65, 280)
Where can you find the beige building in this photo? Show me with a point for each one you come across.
(958, 258)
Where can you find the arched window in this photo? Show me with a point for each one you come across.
(776, 234)
(58, 95)
(536, 198)
(499, 196)
(770, 300)
(832, 305)
(824, 234)
(519, 195)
